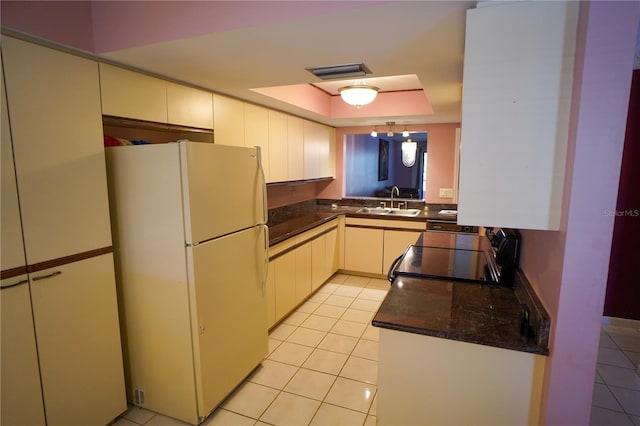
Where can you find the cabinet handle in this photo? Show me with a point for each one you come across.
(16, 284)
(53, 274)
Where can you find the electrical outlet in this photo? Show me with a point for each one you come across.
(446, 192)
(138, 395)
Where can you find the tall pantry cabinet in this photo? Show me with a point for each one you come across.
(56, 134)
(21, 397)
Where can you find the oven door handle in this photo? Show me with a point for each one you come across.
(391, 275)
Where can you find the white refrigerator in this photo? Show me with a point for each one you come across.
(191, 247)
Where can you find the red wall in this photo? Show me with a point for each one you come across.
(623, 292)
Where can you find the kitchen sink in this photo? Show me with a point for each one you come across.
(374, 210)
(389, 212)
(404, 212)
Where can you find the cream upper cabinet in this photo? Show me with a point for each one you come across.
(295, 148)
(56, 125)
(12, 249)
(278, 149)
(256, 132)
(187, 106)
(515, 113)
(131, 94)
(228, 121)
(317, 151)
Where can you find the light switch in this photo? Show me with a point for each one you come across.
(446, 192)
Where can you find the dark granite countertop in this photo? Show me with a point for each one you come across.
(297, 224)
(289, 222)
(456, 310)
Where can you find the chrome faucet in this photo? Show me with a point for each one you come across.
(395, 188)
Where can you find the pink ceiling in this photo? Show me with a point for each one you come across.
(104, 26)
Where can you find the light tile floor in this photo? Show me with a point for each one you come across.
(616, 392)
(323, 362)
(322, 367)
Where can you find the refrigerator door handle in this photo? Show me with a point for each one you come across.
(265, 216)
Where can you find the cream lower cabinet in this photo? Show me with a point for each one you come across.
(318, 262)
(21, 392)
(270, 294)
(363, 249)
(371, 245)
(395, 244)
(425, 380)
(298, 267)
(78, 336)
(304, 258)
(284, 268)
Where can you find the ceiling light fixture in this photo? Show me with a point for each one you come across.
(374, 133)
(405, 133)
(409, 149)
(358, 94)
(390, 131)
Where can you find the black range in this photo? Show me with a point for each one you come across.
(489, 259)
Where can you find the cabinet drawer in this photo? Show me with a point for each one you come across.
(387, 223)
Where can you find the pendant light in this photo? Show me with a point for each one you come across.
(409, 150)
(390, 131)
(374, 133)
(358, 94)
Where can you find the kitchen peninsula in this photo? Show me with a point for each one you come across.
(441, 341)
(445, 344)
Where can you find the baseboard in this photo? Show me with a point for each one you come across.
(621, 322)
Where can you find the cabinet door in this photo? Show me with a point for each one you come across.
(78, 335)
(363, 250)
(278, 150)
(317, 152)
(187, 106)
(303, 272)
(228, 121)
(395, 243)
(21, 395)
(331, 253)
(295, 148)
(271, 295)
(12, 247)
(132, 95)
(54, 106)
(516, 104)
(318, 262)
(256, 133)
(285, 269)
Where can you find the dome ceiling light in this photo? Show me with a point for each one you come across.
(358, 94)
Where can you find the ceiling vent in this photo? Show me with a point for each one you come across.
(340, 71)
